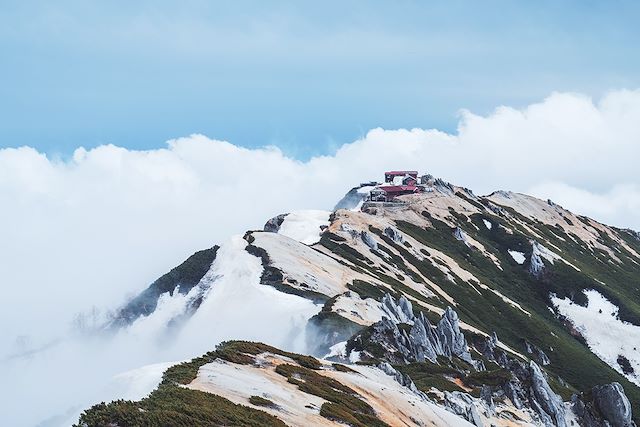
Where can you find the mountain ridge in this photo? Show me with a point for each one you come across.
(513, 268)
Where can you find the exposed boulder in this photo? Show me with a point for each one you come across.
(348, 229)
(605, 405)
(451, 337)
(538, 252)
(613, 404)
(273, 225)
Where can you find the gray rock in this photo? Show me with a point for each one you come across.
(443, 187)
(487, 398)
(423, 341)
(368, 240)
(401, 378)
(273, 225)
(613, 404)
(462, 404)
(460, 235)
(452, 339)
(394, 234)
(513, 390)
(548, 404)
(536, 265)
(537, 353)
(400, 312)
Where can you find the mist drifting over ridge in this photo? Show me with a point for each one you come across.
(94, 229)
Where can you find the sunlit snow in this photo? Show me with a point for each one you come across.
(517, 256)
(607, 336)
(305, 226)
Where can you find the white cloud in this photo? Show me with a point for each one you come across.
(99, 226)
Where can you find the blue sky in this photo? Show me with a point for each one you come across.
(305, 76)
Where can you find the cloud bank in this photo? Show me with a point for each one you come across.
(93, 229)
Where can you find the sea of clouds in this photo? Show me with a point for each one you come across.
(83, 234)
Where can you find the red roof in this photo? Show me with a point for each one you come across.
(398, 173)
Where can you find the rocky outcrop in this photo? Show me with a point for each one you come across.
(460, 235)
(273, 225)
(528, 386)
(402, 379)
(546, 403)
(394, 234)
(420, 342)
(611, 401)
(606, 405)
(536, 265)
(537, 353)
(462, 404)
(368, 240)
(444, 187)
(398, 312)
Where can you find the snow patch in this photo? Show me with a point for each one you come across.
(305, 226)
(337, 350)
(517, 256)
(487, 224)
(608, 337)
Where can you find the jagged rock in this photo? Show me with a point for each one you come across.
(400, 312)
(460, 235)
(368, 240)
(536, 265)
(470, 193)
(606, 405)
(513, 390)
(453, 341)
(487, 398)
(548, 404)
(273, 225)
(613, 404)
(423, 341)
(538, 252)
(444, 187)
(463, 405)
(394, 234)
(490, 350)
(537, 353)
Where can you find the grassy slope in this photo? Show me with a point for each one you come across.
(171, 404)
